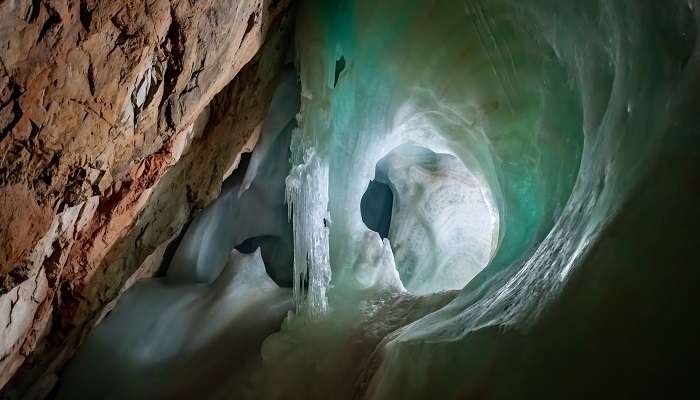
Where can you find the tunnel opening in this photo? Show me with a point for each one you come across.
(438, 216)
(339, 67)
(376, 207)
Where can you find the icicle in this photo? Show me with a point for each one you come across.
(307, 196)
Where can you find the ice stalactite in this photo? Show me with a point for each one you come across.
(307, 199)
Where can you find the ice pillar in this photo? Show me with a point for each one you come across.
(307, 196)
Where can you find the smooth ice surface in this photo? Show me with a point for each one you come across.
(178, 341)
(258, 211)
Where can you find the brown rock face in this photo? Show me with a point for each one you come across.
(20, 223)
(109, 141)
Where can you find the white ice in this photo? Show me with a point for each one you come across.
(443, 227)
(177, 341)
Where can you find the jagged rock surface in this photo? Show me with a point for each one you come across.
(111, 137)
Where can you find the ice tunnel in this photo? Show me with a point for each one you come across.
(452, 199)
(445, 222)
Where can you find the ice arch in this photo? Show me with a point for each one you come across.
(444, 225)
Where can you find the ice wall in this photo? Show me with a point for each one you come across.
(561, 108)
(480, 96)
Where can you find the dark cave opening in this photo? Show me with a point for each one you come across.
(376, 207)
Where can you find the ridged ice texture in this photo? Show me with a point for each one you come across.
(444, 224)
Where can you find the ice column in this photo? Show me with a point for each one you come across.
(307, 197)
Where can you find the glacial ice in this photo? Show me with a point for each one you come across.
(166, 340)
(375, 267)
(307, 197)
(283, 107)
(558, 110)
(256, 212)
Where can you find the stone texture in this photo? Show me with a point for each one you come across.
(21, 220)
(118, 121)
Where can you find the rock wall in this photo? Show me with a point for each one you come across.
(118, 120)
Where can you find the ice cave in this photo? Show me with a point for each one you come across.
(349, 199)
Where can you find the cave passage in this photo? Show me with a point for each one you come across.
(476, 192)
(445, 224)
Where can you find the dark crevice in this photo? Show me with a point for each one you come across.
(376, 207)
(53, 20)
(16, 116)
(249, 27)
(91, 76)
(170, 250)
(34, 130)
(33, 11)
(85, 15)
(250, 245)
(339, 67)
(48, 172)
(174, 49)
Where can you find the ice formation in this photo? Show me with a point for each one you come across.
(559, 109)
(257, 212)
(445, 224)
(307, 197)
(169, 340)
